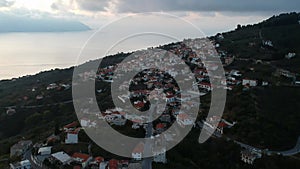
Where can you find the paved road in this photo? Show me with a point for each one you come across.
(290, 152)
(27, 156)
(147, 162)
(39, 106)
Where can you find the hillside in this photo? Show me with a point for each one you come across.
(247, 42)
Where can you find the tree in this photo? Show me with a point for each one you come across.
(56, 129)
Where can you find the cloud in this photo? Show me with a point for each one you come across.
(134, 6)
(86, 5)
(6, 3)
(207, 5)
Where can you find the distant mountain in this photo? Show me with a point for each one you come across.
(11, 23)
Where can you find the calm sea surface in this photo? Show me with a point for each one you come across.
(29, 53)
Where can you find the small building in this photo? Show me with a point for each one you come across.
(264, 83)
(184, 119)
(119, 121)
(137, 152)
(248, 156)
(44, 151)
(10, 111)
(268, 43)
(39, 97)
(84, 122)
(251, 83)
(290, 55)
(170, 97)
(52, 86)
(83, 159)
(206, 86)
(21, 165)
(62, 157)
(235, 73)
(72, 137)
(160, 158)
(285, 73)
(159, 128)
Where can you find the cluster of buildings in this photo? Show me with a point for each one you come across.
(55, 86)
(248, 156)
(25, 164)
(81, 160)
(215, 125)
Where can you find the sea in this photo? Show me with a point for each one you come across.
(24, 54)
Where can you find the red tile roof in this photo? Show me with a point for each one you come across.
(160, 126)
(71, 125)
(99, 159)
(76, 131)
(139, 105)
(84, 157)
(113, 164)
(183, 116)
(139, 148)
(222, 124)
(77, 167)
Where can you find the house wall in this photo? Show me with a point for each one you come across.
(71, 138)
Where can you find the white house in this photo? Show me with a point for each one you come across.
(249, 82)
(84, 159)
(63, 157)
(170, 97)
(52, 86)
(72, 137)
(290, 55)
(183, 119)
(235, 73)
(44, 150)
(268, 43)
(84, 122)
(21, 165)
(137, 152)
(206, 86)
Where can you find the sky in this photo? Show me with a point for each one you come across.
(210, 15)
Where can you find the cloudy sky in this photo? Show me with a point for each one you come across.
(210, 15)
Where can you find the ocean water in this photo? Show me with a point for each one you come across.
(29, 53)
